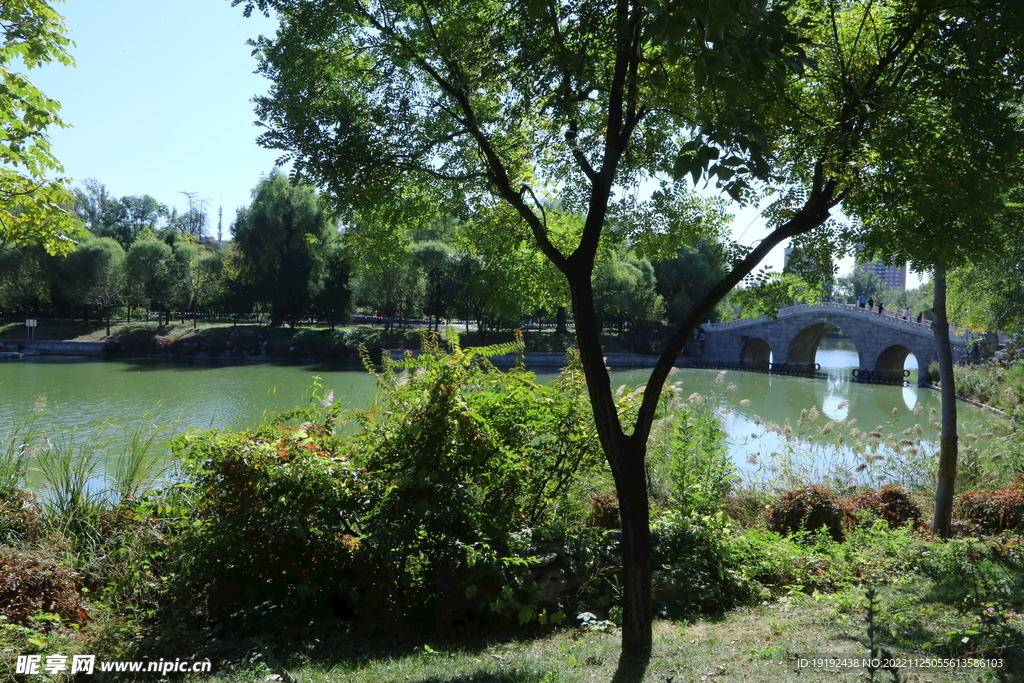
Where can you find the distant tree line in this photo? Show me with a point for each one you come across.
(289, 260)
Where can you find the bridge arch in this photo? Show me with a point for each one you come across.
(756, 354)
(889, 366)
(800, 355)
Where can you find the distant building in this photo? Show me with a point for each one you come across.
(893, 276)
(785, 262)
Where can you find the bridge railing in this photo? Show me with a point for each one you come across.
(889, 317)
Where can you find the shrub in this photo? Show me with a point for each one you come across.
(744, 506)
(999, 510)
(603, 511)
(30, 584)
(273, 513)
(459, 458)
(810, 507)
(699, 467)
(19, 517)
(694, 567)
(891, 503)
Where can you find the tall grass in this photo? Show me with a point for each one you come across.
(87, 487)
(18, 442)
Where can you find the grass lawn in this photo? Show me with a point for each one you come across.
(762, 644)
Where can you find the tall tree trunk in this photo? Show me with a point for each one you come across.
(626, 460)
(947, 391)
(560, 320)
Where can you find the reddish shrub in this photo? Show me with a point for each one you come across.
(30, 584)
(1000, 510)
(891, 503)
(19, 517)
(810, 507)
(603, 511)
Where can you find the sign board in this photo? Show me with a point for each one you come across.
(30, 322)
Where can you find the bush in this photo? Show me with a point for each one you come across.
(20, 520)
(695, 570)
(999, 510)
(459, 458)
(810, 507)
(603, 511)
(273, 514)
(31, 584)
(891, 503)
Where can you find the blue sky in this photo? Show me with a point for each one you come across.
(161, 100)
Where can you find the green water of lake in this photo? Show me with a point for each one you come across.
(178, 395)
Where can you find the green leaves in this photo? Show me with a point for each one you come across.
(32, 206)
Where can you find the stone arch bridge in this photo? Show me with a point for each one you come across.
(883, 341)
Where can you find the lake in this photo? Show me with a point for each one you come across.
(175, 395)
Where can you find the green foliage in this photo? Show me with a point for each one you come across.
(625, 291)
(696, 570)
(150, 274)
(274, 511)
(860, 282)
(766, 291)
(688, 276)
(699, 469)
(460, 456)
(993, 384)
(94, 274)
(32, 206)
(282, 242)
(987, 293)
(26, 276)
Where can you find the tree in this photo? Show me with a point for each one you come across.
(945, 171)
(859, 283)
(390, 284)
(94, 274)
(137, 214)
(32, 205)
(434, 259)
(334, 299)
(25, 277)
(465, 104)
(150, 276)
(686, 278)
(194, 221)
(205, 281)
(988, 293)
(95, 207)
(624, 291)
(283, 239)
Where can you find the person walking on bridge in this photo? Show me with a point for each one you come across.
(880, 308)
(863, 300)
(871, 302)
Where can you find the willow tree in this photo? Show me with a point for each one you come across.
(465, 104)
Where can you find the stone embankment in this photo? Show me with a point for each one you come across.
(38, 347)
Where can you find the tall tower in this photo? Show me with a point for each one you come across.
(220, 222)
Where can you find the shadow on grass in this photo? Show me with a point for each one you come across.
(327, 644)
(481, 677)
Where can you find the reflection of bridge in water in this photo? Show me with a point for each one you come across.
(789, 343)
